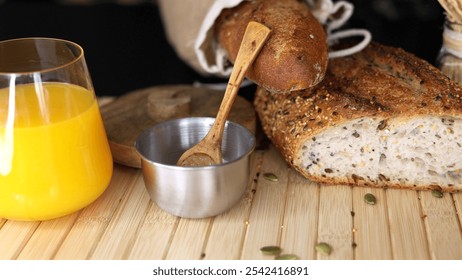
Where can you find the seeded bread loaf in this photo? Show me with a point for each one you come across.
(296, 54)
(380, 118)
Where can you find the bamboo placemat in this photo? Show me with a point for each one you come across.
(293, 213)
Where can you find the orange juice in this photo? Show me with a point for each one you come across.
(61, 160)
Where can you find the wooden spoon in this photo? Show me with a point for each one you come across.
(208, 150)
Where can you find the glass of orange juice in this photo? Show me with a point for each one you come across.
(54, 153)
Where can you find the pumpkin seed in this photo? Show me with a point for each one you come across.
(287, 257)
(270, 250)
(323, 248)
(370, 199)
(270, 177)
(437, 193)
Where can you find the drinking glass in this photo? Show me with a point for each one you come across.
(54, 153)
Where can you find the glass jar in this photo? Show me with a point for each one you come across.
(449, 59)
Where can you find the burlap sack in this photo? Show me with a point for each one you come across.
(189, 29)
(182, 20)
(188, 25)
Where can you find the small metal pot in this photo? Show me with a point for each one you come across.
(194, 192)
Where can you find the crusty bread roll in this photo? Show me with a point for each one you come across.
(296, 54)
(380, 118)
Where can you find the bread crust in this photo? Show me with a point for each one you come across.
(380, 82)
(295, 56)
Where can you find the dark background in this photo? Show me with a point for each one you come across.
(126, 49)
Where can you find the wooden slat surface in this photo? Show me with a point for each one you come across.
(335, 222)
(442, 225)
(233, 224)
(301, 217)
(407, 230)
(92, 222)
(265, 221)
(293, 213)
(371, 230)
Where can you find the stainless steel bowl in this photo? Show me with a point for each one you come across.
(194, 192)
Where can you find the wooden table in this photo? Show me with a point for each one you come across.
(292, 213)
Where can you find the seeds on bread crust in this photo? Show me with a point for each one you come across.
(371, 121)
(295, 56)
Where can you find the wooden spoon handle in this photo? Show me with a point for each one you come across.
(254, 38)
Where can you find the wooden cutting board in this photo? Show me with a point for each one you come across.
(130, 114)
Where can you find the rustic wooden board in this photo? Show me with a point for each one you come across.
(129, 115)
